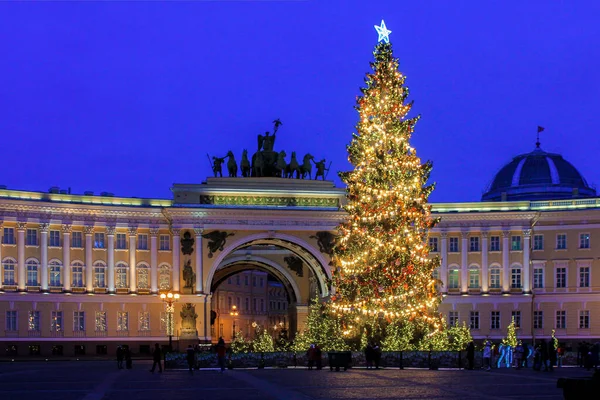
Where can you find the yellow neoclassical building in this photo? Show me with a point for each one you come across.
(81, 274)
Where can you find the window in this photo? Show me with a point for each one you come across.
(122, 321)
(99, 240)
(561, 277)
(474, 320)
(121, 241)
(143, 276)
(78, 321)
(538, 242)
(495, 320)
(584, 276)
(561, 241)
(561, 319)
(238, 303)
(246, 280)
(144, 320)
(584, 241)
(254, 305)
(31, 238)
(262, 282)
(77, 273)
(11, 321)
(495, 278)
(100, 321)
(54, 239)
(229, 281)
(164, 277)
(515, 278)
(538, 320)
(33, 321)
(121, 276)
(247, 304)
(436, 276)
(165, 242)
(32, 273)
(453, 245)
(453, 279)
(584, 319)
(433, 244)
(254, 281)
(515, 243)
(142, 241)
(77, 239)
(99, 275)
(474, 278)
(8, 272)
(55, 273)
(538, 278)
(229, 303)
(9, 236)
(262, 305)
(474, 243)
(237, 280)
(516, 316)
(495, 243)
(453, 318)
(56, 321)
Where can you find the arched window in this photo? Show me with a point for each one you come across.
(453, 278)
(8, 272)
(495, 277)
(55, 272)
(77, 274)
(121, 276)
(436, 277)
(143, 276)
(99, 274)
(32, 273)
(515, 277)
(164, 277)
(474, 280)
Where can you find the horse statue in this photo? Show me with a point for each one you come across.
(280, 165)
(306, 167)
(292, 167)
(231, 165)
(245, 164)
(258, 165)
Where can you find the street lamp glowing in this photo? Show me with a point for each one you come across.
(234, 311)
(170, 295)
(169, 299)
(163, 296)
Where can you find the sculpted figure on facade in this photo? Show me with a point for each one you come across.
(326, 242)
(187, 244)
(216, 241)
(188, 319)
(189, 276)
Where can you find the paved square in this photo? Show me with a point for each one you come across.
(97, 380)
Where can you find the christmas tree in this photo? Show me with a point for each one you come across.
(384, 272)
(511, 335)
(321, 329)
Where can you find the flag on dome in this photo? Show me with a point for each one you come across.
(540, 129)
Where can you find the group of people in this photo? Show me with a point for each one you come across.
(124, 354)
(373, 355)
(313, 355)
(588, 355)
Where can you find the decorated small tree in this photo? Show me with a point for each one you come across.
(398, 337)
(511, 335)
(321, 329)
(459, 336)
(263, 343)
(384, 273)
(239, 344)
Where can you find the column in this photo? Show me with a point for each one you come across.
(132, 275)
(444, 267)
(526, 266)
(206, 329)
(505, 261)
(484, 262)
(110, 258)
(176, 251)
(89, 262)
(21, 276)
(66, 228)
(199, 260)
(464, 262)
(153, 260)
(44, 255)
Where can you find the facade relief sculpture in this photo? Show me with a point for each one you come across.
(188, 320)
(216, 241)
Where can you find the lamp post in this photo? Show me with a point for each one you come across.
(169, 299)
(234, 313)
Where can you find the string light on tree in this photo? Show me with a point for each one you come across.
(384, 271)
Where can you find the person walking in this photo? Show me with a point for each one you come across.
(487, 356)
(471, 355)
(191, 358)
(519, 354)
(221, 352)
(544, 354)
(318, 357)
(156, 357)
(376, 355)
(127, 356)
(311, 355)
(120, 356)
(369, 355)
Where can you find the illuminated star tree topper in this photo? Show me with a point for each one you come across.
(383, 32)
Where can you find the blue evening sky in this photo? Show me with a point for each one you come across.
(129, 97)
